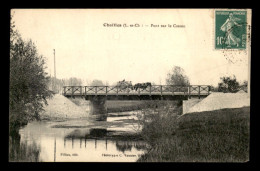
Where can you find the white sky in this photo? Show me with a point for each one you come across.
(88, 50)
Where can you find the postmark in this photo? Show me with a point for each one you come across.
(230, 29)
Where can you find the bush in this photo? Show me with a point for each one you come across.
(228, 85)
(213, 136)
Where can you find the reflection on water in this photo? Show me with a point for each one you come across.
(40, 141)
(99, 117)
(128, 145)
(22, 152)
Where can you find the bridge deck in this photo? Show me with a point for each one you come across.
(153, 92)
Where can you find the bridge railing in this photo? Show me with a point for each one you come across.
(192, 90)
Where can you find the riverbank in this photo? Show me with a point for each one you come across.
(210, 136)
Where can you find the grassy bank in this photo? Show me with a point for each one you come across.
(214, 136)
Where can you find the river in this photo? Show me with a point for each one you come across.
(80, 140)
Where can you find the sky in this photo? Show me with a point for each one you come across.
(87, 49)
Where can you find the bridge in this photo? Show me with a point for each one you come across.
(154, 92)
(98, 95)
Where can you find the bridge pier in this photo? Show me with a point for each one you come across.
(180, 107)
(98, 107)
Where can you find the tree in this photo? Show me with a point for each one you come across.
(73, 81)
(245, 83)
(178, 77)
(244, 86)
(55, 84)
(28, 81)
(228, 85)
(213, 88)
(97, 83)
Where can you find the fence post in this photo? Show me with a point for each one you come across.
(95, 90)
(150, 89)
(199, 92)
(161, 89)
(117, 90)
(208, 89)
(106, 90)
(85, 93)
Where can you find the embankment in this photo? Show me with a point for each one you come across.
(60, 107)
(216, 101)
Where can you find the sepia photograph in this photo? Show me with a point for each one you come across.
(130, 85)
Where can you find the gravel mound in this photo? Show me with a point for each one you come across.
(61, 107)
(216, 101)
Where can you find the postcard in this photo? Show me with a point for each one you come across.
(129, 85)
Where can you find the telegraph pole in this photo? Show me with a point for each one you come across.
(51, 81)
(54, 71)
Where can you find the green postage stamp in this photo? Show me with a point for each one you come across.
(230, 29)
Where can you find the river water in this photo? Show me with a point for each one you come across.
(84, 140)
